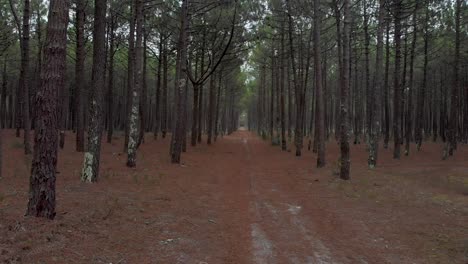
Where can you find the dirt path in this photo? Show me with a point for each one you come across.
(287, 223)
(237, 201)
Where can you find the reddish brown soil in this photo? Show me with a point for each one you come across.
(240, 201)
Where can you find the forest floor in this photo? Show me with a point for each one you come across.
(238, 201)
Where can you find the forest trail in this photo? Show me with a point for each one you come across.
(288, 224)
(238, 201)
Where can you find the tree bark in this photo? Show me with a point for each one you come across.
(320, 128)
(79, 74)
(344, 129)
(134, 126)
(157, 107)
(181, 83)
(454, 101)
(110, 85)
(42, 181)
(92, 155)
(377, 94)
(211, 108)
(396, 80)
(130, 72)
(24, 77)
(164, 118)
(409, 116)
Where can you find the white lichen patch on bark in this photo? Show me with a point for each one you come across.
(87, 173)
(133, 129)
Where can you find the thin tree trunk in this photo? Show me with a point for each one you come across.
(320, 128)
(409, 116)
(110, 85)
(218, 97)
(92, 155)
(144, 91)
(158, 89)
(79, 74)
(386, 86)
(164, 118)
(130, 73)
(396, 81)
(367, 70)
(134, 126)
(377, 94)
(282, 99)
(454, 103)
(181, 83)
(344, 129)
(24, 77)
(211, 108)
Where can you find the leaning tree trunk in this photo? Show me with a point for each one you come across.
(79, 74)
(92, 155)
(320, 128)
(42, 181)
(376, 95)
(135, 99)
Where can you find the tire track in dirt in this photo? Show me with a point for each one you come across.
(278, 232)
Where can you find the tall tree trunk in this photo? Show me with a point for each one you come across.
(164, 118)
(181, 83)
(24, 77)
(377, 94)
(158, 89)
(110, 85)
(320, 128)
(42, 181)
(409, 116)
(282, 76)
(37, 71)
(396, 80)
(339, 41)
(211, 108)
(454, 101)
(386, 85)
(130, 73)
(144, 90)
(217, 108)
(3, 109)
(367, 79)
(134, 125)
(79, 74)
(63, 115)
(298, 129)
(92, 155)
(19, 91)
(344, 129)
